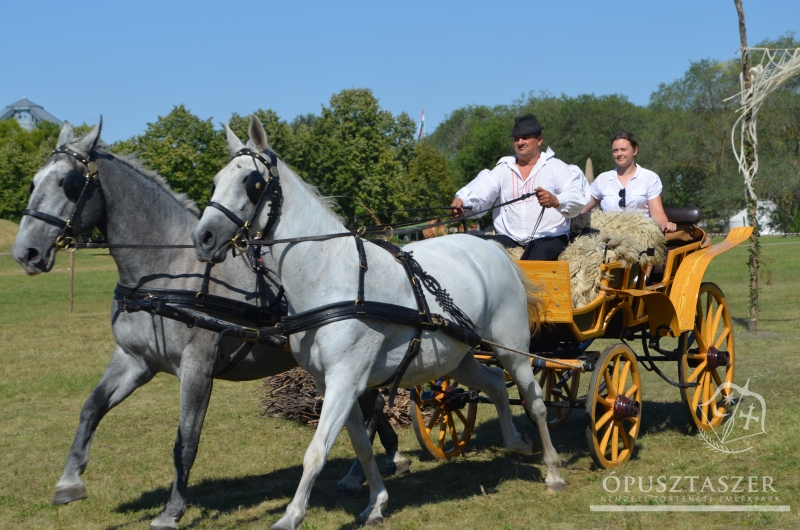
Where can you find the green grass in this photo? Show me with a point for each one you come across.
(248, 467)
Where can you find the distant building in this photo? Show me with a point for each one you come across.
(764, 217)
(27, 113)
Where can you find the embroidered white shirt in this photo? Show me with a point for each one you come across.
(517, 220)
(643, 186)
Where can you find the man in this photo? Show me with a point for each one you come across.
(560, 192)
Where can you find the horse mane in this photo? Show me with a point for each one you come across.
(328, 203)
(134, 162)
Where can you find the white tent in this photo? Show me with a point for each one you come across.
(765, 209)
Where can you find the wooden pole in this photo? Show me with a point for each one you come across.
(71, 279)
(749, 156)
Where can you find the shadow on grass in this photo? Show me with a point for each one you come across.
(450, 480)
(485, 465)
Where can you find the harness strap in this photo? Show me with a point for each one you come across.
(270, 336)
(206, 279)
(224, 307)
(229, 214)
(47, 218)
(362, 270)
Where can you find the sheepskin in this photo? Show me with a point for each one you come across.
(622, 237)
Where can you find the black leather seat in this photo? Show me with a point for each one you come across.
(690, 215)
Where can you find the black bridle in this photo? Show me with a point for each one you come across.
(259, 190)
(76, 186)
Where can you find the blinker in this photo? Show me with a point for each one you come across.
(253, 185)
(73, 184)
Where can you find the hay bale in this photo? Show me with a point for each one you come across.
(622, 237)
(293, 395)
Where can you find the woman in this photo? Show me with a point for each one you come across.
(629, 187)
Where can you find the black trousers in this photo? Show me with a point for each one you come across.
(540, 249)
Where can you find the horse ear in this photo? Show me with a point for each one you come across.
(234, 144)
(66, 135)
(258, 136)
(88, 143)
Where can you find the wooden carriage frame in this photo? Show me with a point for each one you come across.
(628, 307)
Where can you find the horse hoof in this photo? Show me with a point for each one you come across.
(555, 486)
(399, 468)
(349, 488)
(372, 521)
(164, 522)
(67, 494)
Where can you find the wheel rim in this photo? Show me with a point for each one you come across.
(614, 407)
(442, 433)
(548, 381)
(708, 360)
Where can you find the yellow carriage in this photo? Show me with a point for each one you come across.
(674, 302)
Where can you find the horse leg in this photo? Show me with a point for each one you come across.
(492, 381)
(396, 462)
(362, 445)
(340, 399)
(196, 385)
(122, 376)
(368, 402)
(372, 403)
(520, 370)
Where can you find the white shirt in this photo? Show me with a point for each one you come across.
(518, 219)
(643, 186)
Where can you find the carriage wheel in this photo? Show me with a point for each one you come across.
(442, 429)
(614, 407)
(548, 381)
(707, 360)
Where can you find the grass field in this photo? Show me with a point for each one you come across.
(248, 466)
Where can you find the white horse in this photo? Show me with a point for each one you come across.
(349, 356)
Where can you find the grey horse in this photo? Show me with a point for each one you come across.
(134, 206)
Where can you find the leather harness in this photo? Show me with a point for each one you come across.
(459, 326)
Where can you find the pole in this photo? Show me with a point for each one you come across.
(749, 155)
(71, 278)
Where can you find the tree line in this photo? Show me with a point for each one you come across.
(368, 159)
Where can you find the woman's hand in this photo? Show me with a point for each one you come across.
(669, 227)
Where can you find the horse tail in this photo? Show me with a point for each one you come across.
(534, 301)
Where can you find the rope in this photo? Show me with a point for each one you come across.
(776, 67)
(533, 355)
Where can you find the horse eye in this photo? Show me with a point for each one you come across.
(30, 190)
(213, 189)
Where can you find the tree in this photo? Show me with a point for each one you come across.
(356, 152)
(184, 149)
(22, 154)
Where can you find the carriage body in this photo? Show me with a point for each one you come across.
(673, 302)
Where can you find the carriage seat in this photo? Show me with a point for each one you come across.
(684, 216)
(686, 220)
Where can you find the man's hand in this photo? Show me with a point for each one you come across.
(456, 207)
(546, 199)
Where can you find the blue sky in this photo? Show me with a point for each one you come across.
(133, 61)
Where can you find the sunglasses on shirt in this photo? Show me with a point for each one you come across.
(622, 200)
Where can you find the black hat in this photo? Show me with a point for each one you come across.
(527, 124)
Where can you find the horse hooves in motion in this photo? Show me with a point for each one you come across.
(67, 494)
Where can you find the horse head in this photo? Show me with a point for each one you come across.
(66, 201)
(240, 194)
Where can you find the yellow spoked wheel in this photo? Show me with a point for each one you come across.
(558, 388)
(442, 421)
(614, 407)
(708, 360)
